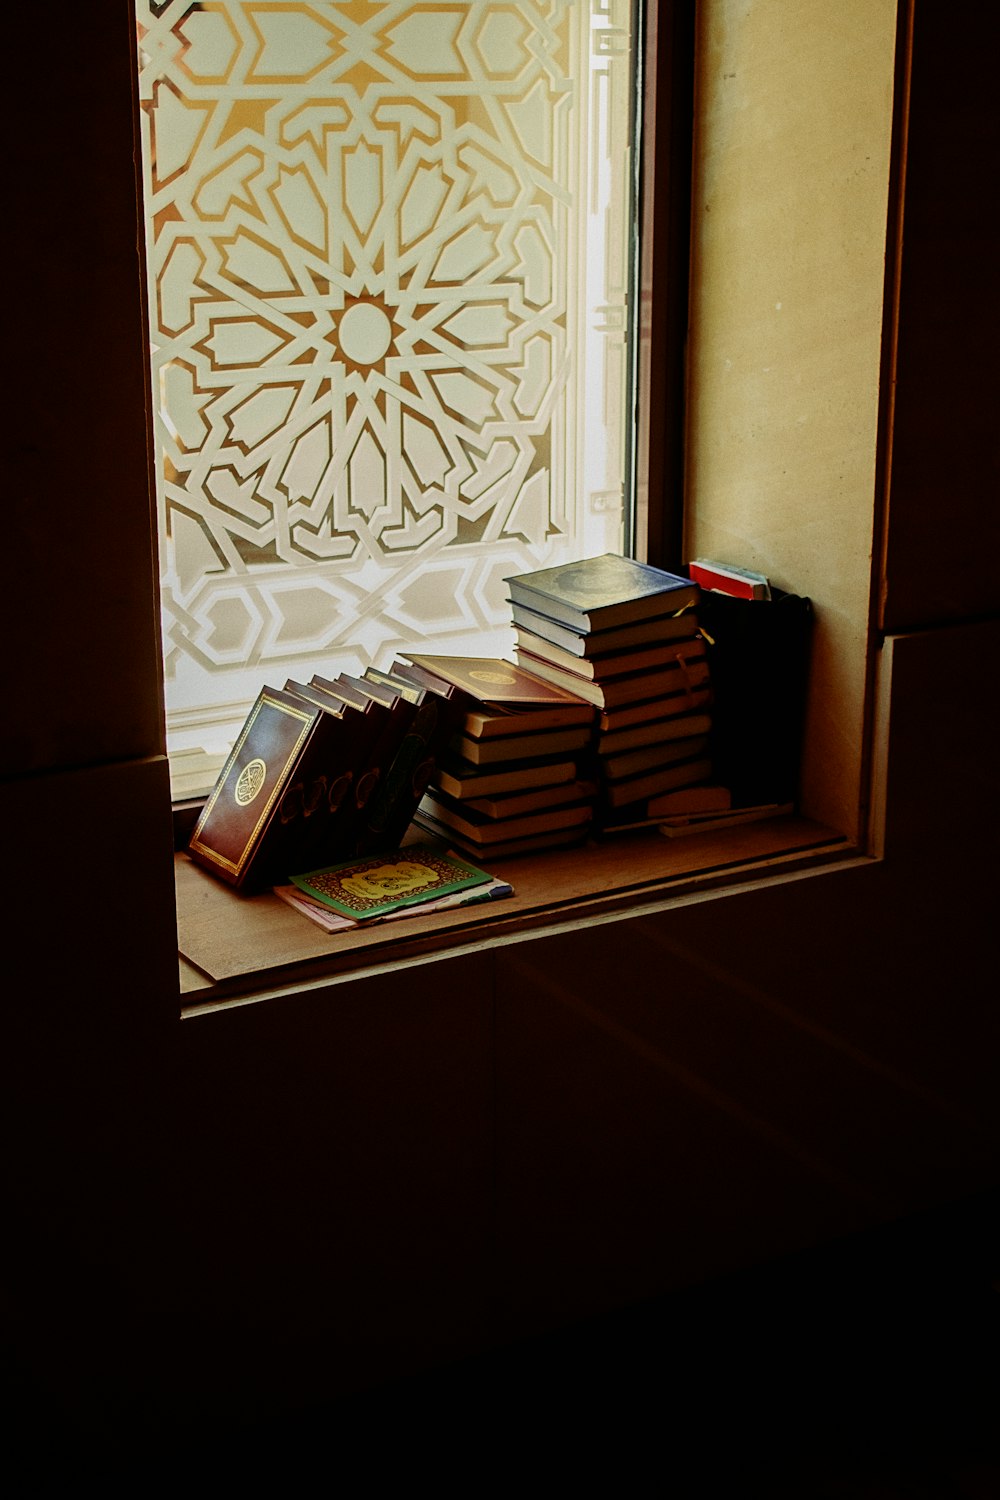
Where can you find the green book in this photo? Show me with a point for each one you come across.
(381, 883)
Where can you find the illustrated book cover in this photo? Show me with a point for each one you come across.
(330, 921)
(368, 888)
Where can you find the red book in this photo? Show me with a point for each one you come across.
(741, 583)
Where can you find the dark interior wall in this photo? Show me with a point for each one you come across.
(360, 1180)
(91, 993)
(941, 558)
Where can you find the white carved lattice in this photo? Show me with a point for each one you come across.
(387, 247)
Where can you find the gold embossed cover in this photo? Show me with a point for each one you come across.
(239, 832)
(368, 888)
(599, 593)
(490, 679)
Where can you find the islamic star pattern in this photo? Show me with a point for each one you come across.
(359, 310)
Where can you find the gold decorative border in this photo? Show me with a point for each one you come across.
(308, 721)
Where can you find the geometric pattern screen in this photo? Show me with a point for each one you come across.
(388, 253)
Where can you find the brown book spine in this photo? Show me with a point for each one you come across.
(334, 803)
(391, 809)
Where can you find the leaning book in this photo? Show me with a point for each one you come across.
(263, 794)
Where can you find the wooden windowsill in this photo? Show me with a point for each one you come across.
(236, 947)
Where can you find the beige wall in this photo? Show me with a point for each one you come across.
(793, 121)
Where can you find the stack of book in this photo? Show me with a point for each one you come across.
(510, 781)
(623, 636)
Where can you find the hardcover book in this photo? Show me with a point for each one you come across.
(491, 680)
(636, 686)
(349, 734)
(739, 583)
(513, 804)
(407, 671)
(650, 783)
(680, 727)
(595, 643)
(532, 844)
(460, 780)
(493, 722)
(479, 829)
(617, 664)
(546, 742)
(651, 756)
(390, 809)
(390, 721)
(246, 828)
(600, 592)
(693, 693)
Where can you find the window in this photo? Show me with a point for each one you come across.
(390, 268)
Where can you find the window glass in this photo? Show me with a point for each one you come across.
(388, 250)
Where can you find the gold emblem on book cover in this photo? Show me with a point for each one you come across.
(377, 883)
(250, 781)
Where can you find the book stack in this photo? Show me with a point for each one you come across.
(624, 637)
(510, 781)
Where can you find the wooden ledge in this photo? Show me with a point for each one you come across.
(238, 946)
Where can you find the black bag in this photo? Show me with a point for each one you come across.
(758, 657)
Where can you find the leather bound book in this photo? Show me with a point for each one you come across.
(403, 743)
(492, 680)
(601, 593)
(349, 734)
(393, 716)
(246, 826)
(688, 669)
(459, 695)
(435, 719)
